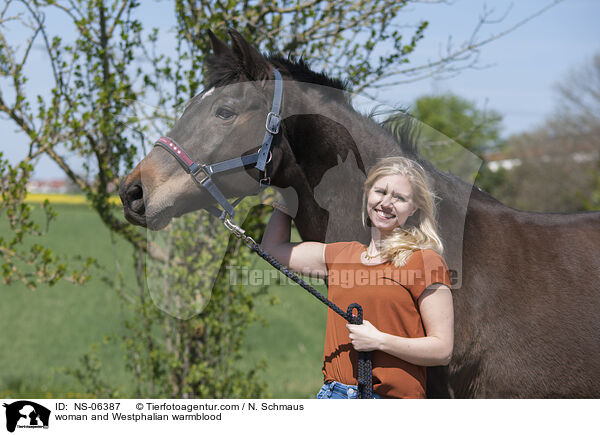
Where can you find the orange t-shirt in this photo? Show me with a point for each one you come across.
(388, 296)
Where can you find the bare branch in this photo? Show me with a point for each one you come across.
(40, 21)
(76, 17)
(30, 41)
(464, 53)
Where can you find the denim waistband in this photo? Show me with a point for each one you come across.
(337, 390)
(349, 390)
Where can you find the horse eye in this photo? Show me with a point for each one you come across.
(224, 113)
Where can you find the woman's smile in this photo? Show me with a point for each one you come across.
(384, 214)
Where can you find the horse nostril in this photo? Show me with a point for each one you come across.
(135, 198)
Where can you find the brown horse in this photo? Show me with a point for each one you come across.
(526, 293)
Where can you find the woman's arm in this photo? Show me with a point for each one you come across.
(306, 257)
(435, 349)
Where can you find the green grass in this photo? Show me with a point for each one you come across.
(53, 327)
(291, 343)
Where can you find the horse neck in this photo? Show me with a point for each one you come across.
(322, 132)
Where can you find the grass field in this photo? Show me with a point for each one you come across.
(53, 327)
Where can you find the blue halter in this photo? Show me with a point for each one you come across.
(202, 174)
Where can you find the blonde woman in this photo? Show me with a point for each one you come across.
(400, 280)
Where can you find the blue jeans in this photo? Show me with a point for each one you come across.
(337, 390)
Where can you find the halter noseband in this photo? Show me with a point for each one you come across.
(201, 173)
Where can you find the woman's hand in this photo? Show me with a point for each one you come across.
(365, 337)
(435, 349)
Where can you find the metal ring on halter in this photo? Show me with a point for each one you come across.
(266, 181)
(272, 123)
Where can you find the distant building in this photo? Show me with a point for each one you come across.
(520, 151)
(49, 186)
(496, 161)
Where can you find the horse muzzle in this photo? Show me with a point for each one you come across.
(132, 197)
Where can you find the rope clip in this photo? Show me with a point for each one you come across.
(238, 232)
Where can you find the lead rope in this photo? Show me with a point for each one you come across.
(365, 371)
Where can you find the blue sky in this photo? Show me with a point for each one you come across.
(522, 67)
(518, 75)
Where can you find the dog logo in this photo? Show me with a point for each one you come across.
(26, 414)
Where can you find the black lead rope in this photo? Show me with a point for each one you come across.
(365, 371)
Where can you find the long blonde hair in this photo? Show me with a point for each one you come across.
(420, 230)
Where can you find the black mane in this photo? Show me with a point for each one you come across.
(225, 69)
(300, 71)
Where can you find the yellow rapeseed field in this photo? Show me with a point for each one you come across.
(62, 198)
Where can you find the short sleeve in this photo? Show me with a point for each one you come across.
(333, 251)
(425, 268)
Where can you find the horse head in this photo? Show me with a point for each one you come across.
(225, 121)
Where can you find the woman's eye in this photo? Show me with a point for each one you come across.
(399, 198)
(224, 113)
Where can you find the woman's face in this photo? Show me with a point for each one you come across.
(390, 202)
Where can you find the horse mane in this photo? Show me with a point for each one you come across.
(300, 70)
(404, 128)
(226, 69)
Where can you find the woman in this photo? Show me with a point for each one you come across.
(399, 279)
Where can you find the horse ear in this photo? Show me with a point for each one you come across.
(218, 47)
(254, 63)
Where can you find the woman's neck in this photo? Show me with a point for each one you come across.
(377, 238)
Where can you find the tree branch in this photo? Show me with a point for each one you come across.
(116, 19)
(461, 54)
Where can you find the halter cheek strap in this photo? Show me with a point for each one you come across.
(201, 174)
(272, 123)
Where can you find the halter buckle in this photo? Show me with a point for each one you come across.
(273, 122)
(201, 169)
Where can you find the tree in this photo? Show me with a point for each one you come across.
(88, 113)
(579, 115)
(478, 130)
(579, 96)
(559, 162)
(454, 134)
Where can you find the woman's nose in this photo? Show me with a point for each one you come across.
(387, 200)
